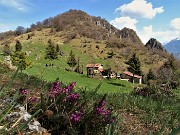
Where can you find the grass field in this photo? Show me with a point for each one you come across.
(39, 70)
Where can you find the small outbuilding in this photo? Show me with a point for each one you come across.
(128, 75)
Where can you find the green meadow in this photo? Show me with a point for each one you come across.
(40, 70)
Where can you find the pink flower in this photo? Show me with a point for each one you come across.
(24, 92)
(69, 87)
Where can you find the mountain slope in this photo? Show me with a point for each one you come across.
(92, 36)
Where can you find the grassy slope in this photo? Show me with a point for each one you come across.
(90, 52)
(58, 71)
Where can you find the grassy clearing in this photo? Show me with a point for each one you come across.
(108, 86)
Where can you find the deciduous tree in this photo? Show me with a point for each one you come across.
(20, 30)
(6, 50)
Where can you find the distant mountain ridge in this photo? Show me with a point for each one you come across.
(173, 47)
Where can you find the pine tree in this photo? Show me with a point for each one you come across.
(71, 60)
(57, 49)
(134, 65)
(18, 46)
(19, 58)
(110, 54)
(51, 53)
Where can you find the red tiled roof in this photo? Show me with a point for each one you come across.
(131, 74)
(93, 65)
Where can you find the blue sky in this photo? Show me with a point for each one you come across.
(150, 18)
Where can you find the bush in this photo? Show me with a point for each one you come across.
(154, 91)
(97, 46)
(60, 109)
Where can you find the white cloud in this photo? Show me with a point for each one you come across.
(20, 5)
(175, 24)
(139, 9)
(162, 36)
(122, 22)
(133, 12)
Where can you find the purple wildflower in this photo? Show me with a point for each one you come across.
(99, 110)
(24, 92)
(104, 113)
(100, 106)
(66, 90)
(73, 97)
(56, 85)
(69, 87)
(102, 102)
(56, 89)
(33, 99)
(107, 112)
(75, 117)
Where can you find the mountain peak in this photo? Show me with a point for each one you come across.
(154, 44)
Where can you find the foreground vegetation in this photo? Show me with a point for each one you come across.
(133, 114)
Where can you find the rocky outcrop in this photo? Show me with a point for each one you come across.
(130, 34)
(19, 116)
(154, 44)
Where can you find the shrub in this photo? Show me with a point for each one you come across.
(97, 46)
(60, 109)
(154, 91)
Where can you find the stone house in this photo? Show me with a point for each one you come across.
(93, 69)
(128, 75)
